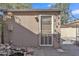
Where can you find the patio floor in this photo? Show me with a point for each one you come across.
(68, 48)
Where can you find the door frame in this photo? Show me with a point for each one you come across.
(52, 30)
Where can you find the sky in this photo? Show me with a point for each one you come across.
(74, 7)
(41, 5)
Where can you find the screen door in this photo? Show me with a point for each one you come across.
(46, 31)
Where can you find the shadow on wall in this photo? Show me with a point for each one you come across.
(22, 37)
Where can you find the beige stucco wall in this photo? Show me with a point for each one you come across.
(27, 21)
(68, 33)
(26, 29)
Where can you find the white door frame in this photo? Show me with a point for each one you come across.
(52, 25)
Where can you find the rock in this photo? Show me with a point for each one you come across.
(30, 50)
(25, 53)
(18, 49)
(2, 46)
(60, 50)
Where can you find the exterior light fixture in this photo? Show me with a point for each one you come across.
(9, 15)
(36, 17)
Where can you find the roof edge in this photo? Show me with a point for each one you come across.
(33, 10)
